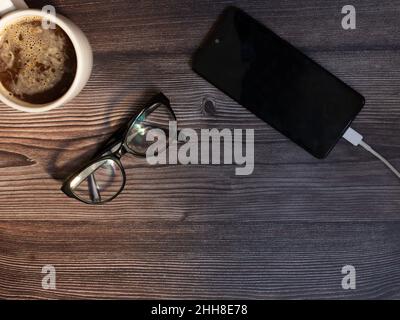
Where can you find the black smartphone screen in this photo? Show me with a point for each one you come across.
(277, 82)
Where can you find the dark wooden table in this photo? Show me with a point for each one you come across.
(200, 231)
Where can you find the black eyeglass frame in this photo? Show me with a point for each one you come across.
(108, 153)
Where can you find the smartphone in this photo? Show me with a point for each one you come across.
(277, 82)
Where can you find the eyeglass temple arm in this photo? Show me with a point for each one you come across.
(94, 189)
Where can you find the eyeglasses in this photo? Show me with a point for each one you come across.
(104, 178)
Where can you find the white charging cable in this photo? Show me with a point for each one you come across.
(356, 139)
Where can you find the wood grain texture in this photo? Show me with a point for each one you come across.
(200, 231)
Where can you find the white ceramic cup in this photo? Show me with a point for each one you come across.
(14, 10)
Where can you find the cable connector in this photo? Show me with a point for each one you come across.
(353, 137)
(356, 139)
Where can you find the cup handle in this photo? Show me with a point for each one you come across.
(11, 5)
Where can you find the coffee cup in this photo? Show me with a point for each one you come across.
(15, 11)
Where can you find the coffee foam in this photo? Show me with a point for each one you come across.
(32, 59)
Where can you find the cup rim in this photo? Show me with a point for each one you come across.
(63, 23)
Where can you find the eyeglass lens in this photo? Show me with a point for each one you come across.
(99, 182)
(158, 117)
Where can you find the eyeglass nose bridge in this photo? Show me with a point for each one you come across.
(121, 151)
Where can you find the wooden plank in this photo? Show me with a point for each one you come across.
(221, 259)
